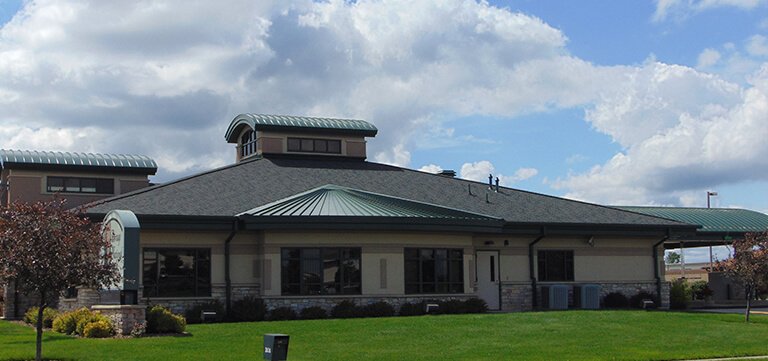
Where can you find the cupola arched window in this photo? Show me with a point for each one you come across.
(248, 143)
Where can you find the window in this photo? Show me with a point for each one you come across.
(308, 145)
(248, 143)
(320, 271)
(555, 266)
(434, 270)
(80, 185)
(177, 272)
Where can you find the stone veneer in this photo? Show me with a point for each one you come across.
(516, 297)
(124, 317)
(327, 303)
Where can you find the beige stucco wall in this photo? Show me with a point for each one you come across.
(243, 249)
(30, 185)
(375, 247)
(275, 142)
(608, 259)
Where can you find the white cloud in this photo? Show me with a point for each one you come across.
(683, 8)
(479, 171)
(176, 72)
(707, 58)
(758, 46)
(704, 133)
(431, 168)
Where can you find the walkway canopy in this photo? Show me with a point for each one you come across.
(717, 226)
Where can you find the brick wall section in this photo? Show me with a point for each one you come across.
(124, 317)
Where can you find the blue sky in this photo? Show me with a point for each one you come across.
(612, 102)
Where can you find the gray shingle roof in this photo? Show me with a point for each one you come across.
(298, 123)
(234, 189)
(74, 159)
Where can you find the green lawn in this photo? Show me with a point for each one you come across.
(572, 335)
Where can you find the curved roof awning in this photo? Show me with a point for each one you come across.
(290, 123)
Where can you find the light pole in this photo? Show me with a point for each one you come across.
(710, 194)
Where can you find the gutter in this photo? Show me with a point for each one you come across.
(227, 278)
(656, 275)
(534, 299)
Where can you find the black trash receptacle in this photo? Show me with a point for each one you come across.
(275, 347)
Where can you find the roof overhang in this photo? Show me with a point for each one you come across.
(295, 124)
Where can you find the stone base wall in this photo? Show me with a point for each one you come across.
(15, 305)
(516, 297)
(327, 303)
(124, 317)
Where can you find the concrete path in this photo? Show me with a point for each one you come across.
(740, 310)
(733, 358)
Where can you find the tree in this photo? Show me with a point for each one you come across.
(46, 249)
(672, 258)
(749, 264)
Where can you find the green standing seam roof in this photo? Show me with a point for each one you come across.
(332, 200)
(715, 220)
(76, 159)
(261, 121)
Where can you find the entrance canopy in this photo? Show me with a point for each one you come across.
(717, 226)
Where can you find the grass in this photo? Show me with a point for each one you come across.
(572, 335)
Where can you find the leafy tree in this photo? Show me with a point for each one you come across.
(672, 258)
(47, 249)
(749, 265)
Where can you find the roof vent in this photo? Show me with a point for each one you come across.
(447, 173)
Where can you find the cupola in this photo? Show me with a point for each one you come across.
(265, 135)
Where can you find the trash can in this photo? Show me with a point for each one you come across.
(275, 347)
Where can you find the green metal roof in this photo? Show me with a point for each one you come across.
(336, 201)
(711, 220)
(74, 159)
(298, 123)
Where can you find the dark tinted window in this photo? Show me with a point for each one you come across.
(316, 271)
(80, 185)
(555, 265)
(176, 272)
(434, 270)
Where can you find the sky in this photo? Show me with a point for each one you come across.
(611, 102)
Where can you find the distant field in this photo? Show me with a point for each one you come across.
(571, 335)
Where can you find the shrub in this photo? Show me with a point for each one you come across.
(636, 301)
(451, 307)
(413, 309)
(248, 309)
(679, 295)
(701, 290)
(139, 329)
(615, 300)
(346, 309)
(162, 320)
(282, 314)
(87, 319)
(67, 322)
(98, 329)
(475, 305)
(192, 314)
(49, 314)
(378, 309)
(313, 313)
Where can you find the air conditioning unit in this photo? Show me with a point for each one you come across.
(554, 297)
(586, 297)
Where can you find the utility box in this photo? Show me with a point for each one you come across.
(275, 347)
(586, 297)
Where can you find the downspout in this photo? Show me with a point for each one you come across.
(534, 299)
(656, 265)
(227, 278)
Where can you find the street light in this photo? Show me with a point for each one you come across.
(710, 194)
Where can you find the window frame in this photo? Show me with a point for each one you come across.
(347, 284)
(453, 283)
(544, 259)
(248, 143)
(156, 289)
(75, 185)
(313, 145)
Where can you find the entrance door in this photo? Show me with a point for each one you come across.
(488, 278)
